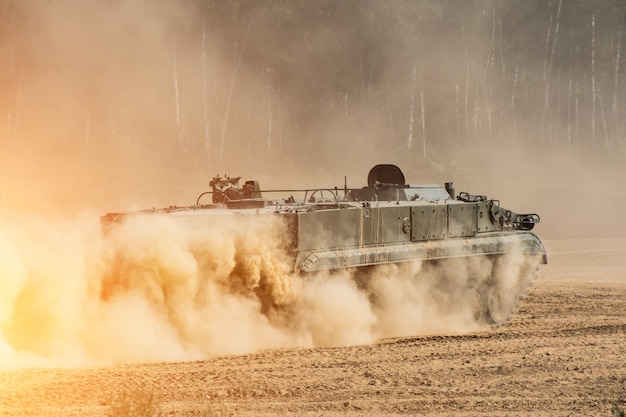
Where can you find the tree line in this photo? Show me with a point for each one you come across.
(220, 82)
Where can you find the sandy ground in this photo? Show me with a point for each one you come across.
(563, 353)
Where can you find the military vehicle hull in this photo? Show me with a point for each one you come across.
(388, 222)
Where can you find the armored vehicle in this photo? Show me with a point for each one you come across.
(389, 222)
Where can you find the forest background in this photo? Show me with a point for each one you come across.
(112, 104)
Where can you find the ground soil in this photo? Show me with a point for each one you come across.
(563, 353)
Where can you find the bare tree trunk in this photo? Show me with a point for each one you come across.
(456, 110)
(607, 142)
(488, 109)
(577, 114)
(233, 82)
(569, 104)
(412, 108)
(369, 111)
(423, 114)
(513, 93)
(502, 58)
(618, 48)
(205, 94)
(490, 62)
(476, 118)
(280, 118)
(514, 87)
(467, 84)
(547, 69)
(179, 125)
(269, 114)
(593, 79)
(616, 64)
(547, 49)
(467, 87)
(556, 36)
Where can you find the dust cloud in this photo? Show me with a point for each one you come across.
(110, 106)
(170, 288)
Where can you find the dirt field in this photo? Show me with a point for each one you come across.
(563, 353)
